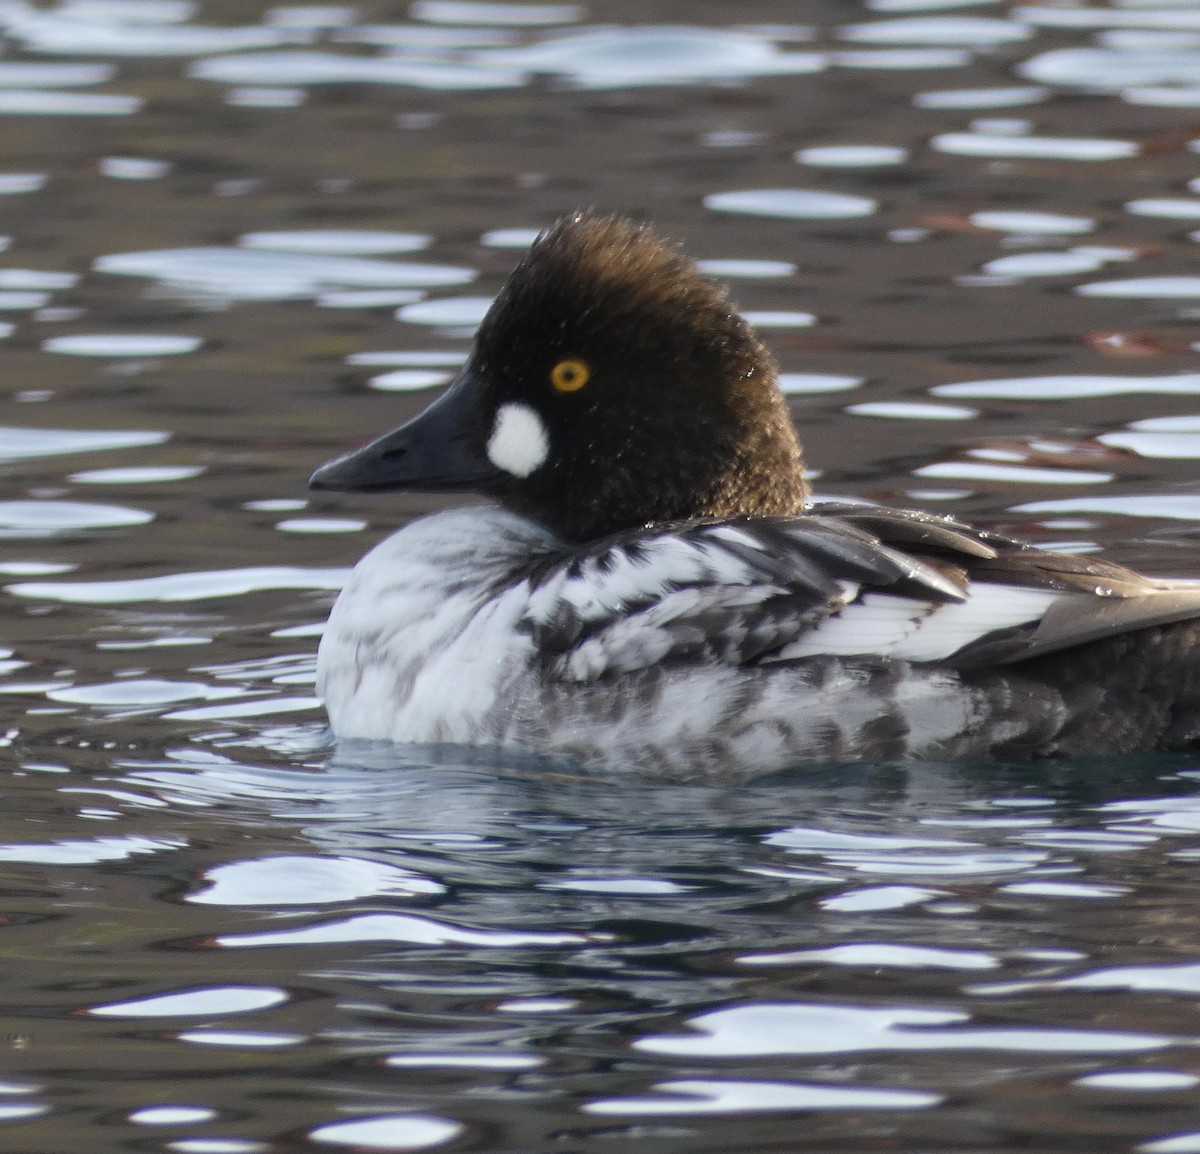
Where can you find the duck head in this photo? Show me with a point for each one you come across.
(610, 385)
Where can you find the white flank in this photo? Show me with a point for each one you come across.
(518, 443)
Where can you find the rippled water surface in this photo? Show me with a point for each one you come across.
(238, 239)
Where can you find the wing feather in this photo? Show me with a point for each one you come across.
(841, 580)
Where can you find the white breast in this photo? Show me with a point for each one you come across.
(422, 643)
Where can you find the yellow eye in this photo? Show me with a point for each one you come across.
(570, 376)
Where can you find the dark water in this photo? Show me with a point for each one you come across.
(216, 938)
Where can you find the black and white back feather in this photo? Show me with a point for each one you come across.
(842, 580)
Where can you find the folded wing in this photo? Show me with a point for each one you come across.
(843, 580)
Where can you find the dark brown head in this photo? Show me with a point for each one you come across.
(610, 385)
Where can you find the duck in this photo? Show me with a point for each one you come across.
(651, 588)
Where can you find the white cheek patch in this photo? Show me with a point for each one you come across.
(519, 443)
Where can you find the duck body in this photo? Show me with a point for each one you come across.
(654, 592)
(673, 653)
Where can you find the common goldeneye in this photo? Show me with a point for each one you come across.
(653, 591)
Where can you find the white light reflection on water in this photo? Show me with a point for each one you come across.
(137, 475)
(791, 204)
(748, 269)
(58, 34)
(389, 1132)
(133, 168)
(1155, 445)
(1175, 978)
(17, 183)
(800, 1028)
(259, 707)
(851, 156)
(510, 237)
(87, 851)
(367, 298)
(880, 955)
(400, 928)
(172, 587)
(36, 279)
(1111, 69)
(133, 692)
(970, 98)
(1179, 1144)
(257, 96)
(1070, 386)
(294, 880)
(710, 1096)
(238, 1038)
(778, 318)
(405, 36)
(1073, 262)
(34, 74)
(802, 383)
(1139, 1080)
(339, 241)
(19, 443)
(264, 274)
(39, 102)
(33, 519)
(1019, 474)
(321, 525)
(1167, 208)
(409, 380)
(651, 55)
(901, 59)
(870, 898)
(303, 68)
(488, 12)
(966, 31)
(1177, 506)
(196, 1003)
(1003, 145)
(459, 1061)
(122, 345)
(449, 312)
(171, 1115)
(430, 359)
(912, 411)
(1145, 288)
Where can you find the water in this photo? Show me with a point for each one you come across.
(239, 239)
